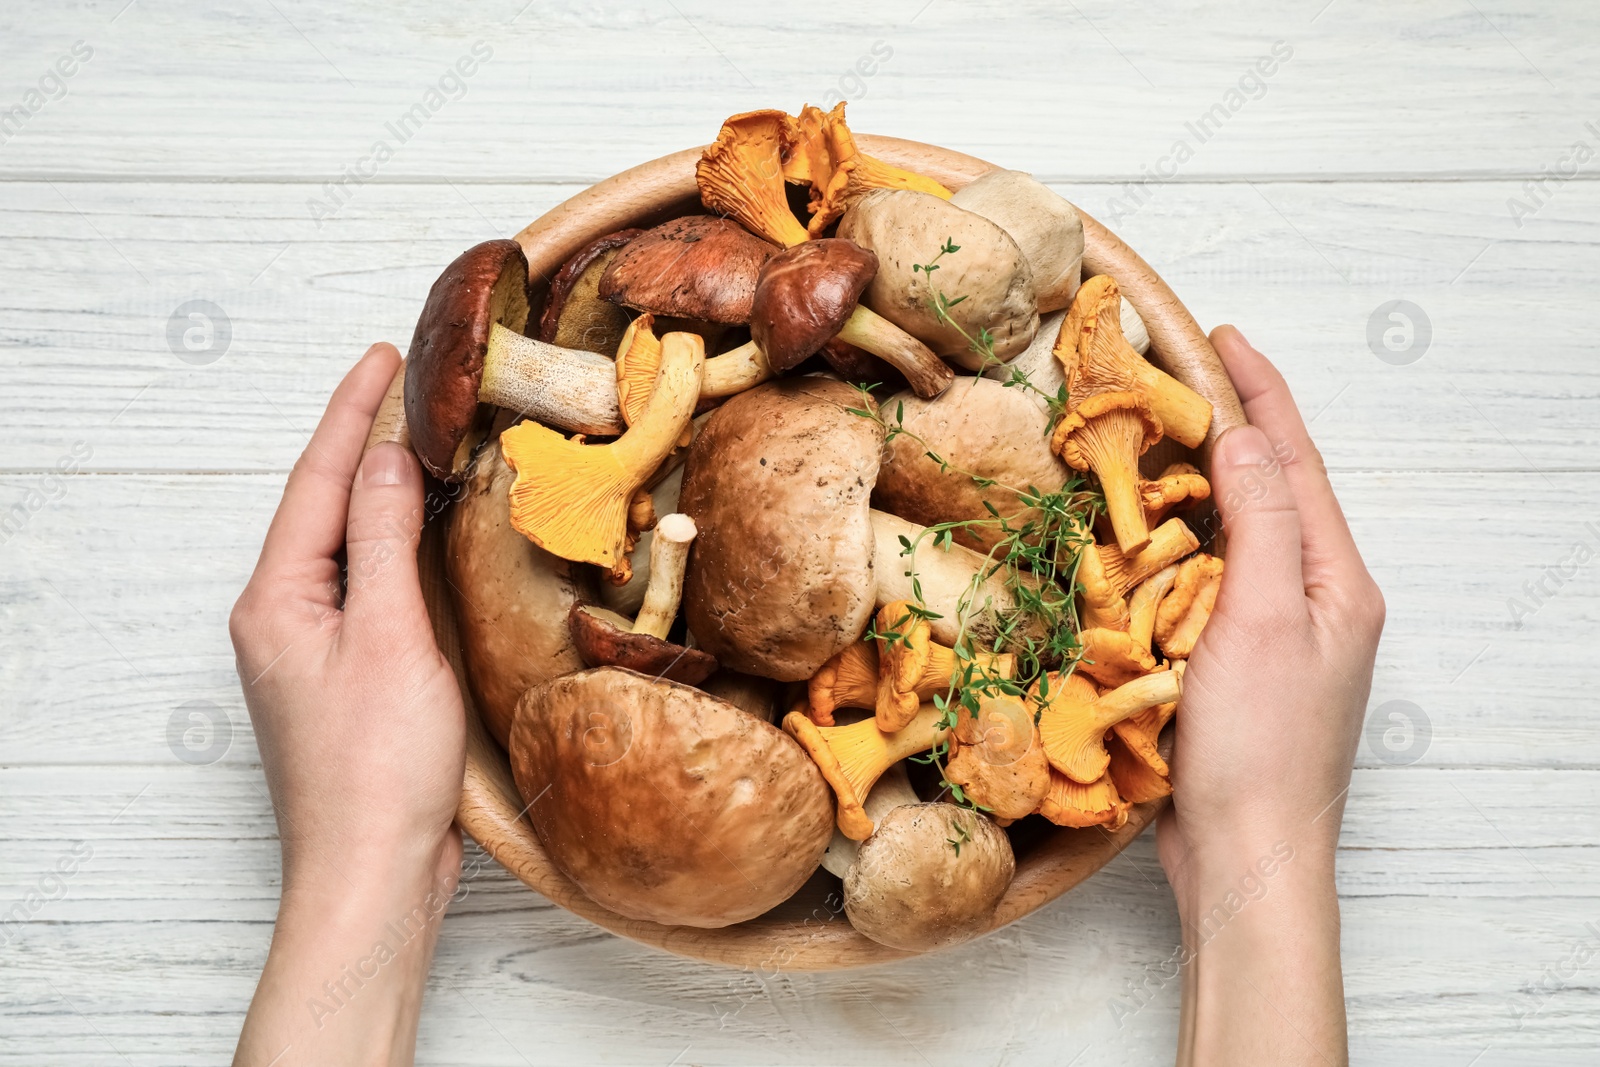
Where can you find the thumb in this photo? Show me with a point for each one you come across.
(381, 534)
(1262, 523)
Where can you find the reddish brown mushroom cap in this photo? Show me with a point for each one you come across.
(804, 296)
(604, 639)
(574, 316)
(485, 285)
(699, 267)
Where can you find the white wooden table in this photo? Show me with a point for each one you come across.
(184, 159)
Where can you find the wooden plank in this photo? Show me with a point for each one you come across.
(1507, 382)
(298, 90)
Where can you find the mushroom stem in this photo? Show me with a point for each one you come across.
(1169, 543)
(669, 554)
(735, 370)
(560, 387)
(852, 758)
(1112, 453)
(927, 373)
(1144, 601)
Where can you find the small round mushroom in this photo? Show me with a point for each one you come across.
(662, 802)
(980, 429)
(1042, 222)
(808, 295)
(986, 272)
(699, 267)
(511, 596)
(575, 316)
(468, 348)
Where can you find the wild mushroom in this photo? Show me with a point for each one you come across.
(912, 668)
(1045, 226)
(993, 441)
(468, 348)
(1185, 611)
(662, 802)
(1179, 483)
(1036, 373)
(575, 315)
(699, 267)
(1113, 657)
(607, 639)
(1107, 433)
(1074, 718)
(511, 597)
(1169, 543)
(996, 757)
(825, 157)
(852, 677)
(572, 498)
(626, 597)
(741, 174)
(1135, 780)
(984, 277)
(932, 875)
(1134, 330)
(1098, 359)
(1070, 803)
(853, 757)
(761, 697)
(1140, 734)
(891, 791)
(1144, 601)
(1102, 603)
(808, 294)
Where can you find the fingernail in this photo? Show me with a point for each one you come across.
(1243, 446)
(385, 464)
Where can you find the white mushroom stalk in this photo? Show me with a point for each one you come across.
(669, 554)
(892, 790)
(561, 387)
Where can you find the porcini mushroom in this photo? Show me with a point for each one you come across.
(1036, 373)
(996, 757)
(853, 757)
(825, 156)
(992, 442)
(1185, 611)
(662, 802)
(1098, 359)
(575, 315)
(1042, 222)
(1074, 718)
(468, 348)
(913, 668)
(607, 639)
(699, 267)
(1070, 803)
(572, 498)
(1113, 657)
(808, 294)
(741, 174)
(985, 278)
(1107, 433)
(511, 597)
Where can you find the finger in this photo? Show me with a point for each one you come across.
(309, 525)
(1263, 527)
(381, 537)
(1329, 549)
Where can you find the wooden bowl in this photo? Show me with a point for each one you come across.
(809, 932)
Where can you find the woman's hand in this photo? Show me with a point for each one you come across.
(362, 736)
(1273, 703)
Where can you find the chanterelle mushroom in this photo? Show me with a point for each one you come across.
(1184, 612)
(664, 803)
(825, 157)
(912, 668)
(1045, 226)
(1144, 601)
(571, 498)
(699, 267)
(853, 757)
(607, 639)
(575, 315)
(1107, 433)
(741, 174)
(1074, 719)
(1169, 542)
(1098, 359)
(468, 347)
(997, 758)
(1180, 483)
(984, 270)
(1096, 803)
(808, 294)
(851, 679)
(1112, 657)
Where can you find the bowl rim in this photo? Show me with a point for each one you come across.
(790, 937)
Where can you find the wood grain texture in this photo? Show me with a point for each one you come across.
(1379, 165)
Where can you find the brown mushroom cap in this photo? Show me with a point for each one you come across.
(779, 482)
(575, 316)
(698, 267)
(511, 596)
(804, 295)
(606, 639)
(664, 803)
(979, 427)
(911, 889)
(485, 285)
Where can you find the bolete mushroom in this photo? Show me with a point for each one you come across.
(1185, 611)
(1107, 433)
(511, 597)
(996, 757)
(607, 639)
(468, 348)
(1074, 717)
(993, 444)
(1042, 222)
(1036, 372)
(808, 295)
(741, 174)
(572, 498)
(662, 802)
(825, 157)
(984, 277)
(699, 267)
(853, 757)
(1098, 359)
(575, 314)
